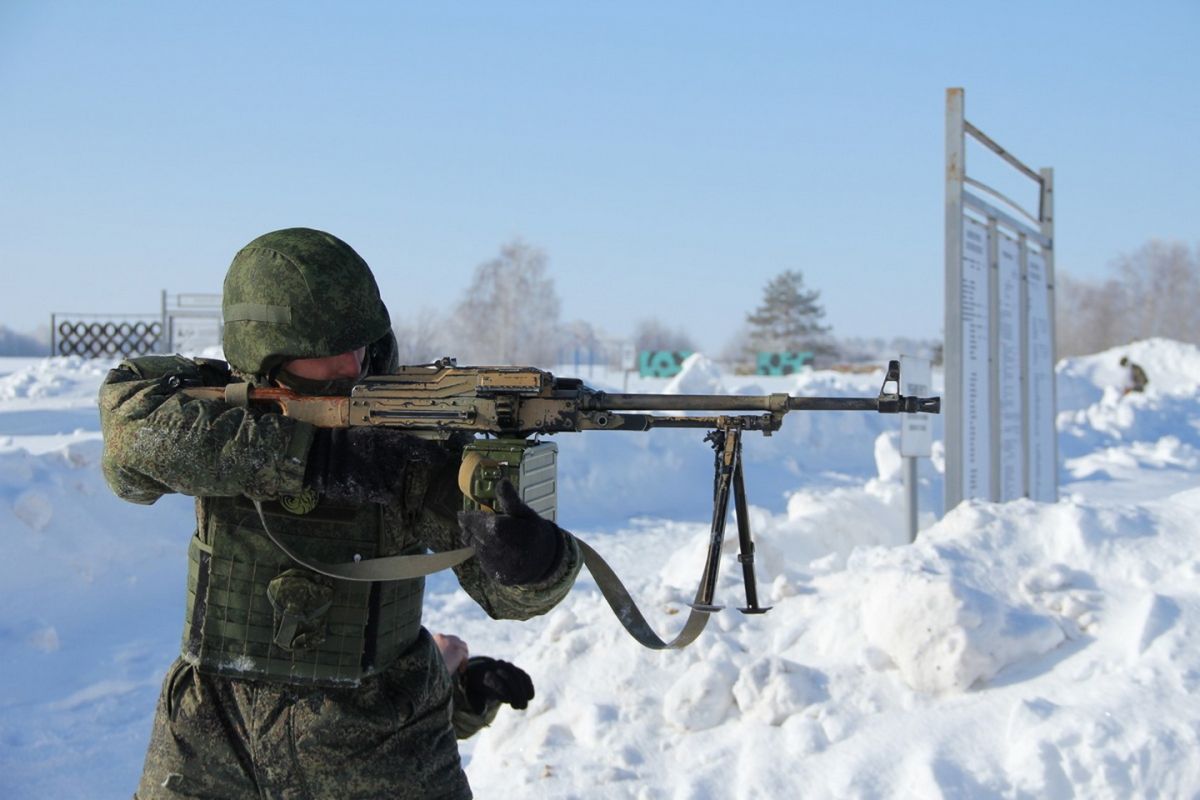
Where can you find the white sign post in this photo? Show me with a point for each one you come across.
(916, 430)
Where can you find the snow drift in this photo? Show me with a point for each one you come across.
(1015, 650)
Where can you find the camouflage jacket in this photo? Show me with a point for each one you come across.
(159, 441)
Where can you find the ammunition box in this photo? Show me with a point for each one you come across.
(531, 466)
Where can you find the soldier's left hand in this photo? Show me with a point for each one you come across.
(514, 546)
(492, 679)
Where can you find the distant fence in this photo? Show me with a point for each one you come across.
(186, 322)
(784, 363)
(661, 363)
(97, 335)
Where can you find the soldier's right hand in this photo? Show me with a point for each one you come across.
(365, 464)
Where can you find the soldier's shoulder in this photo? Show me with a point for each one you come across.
(197, 371)
(161, 366)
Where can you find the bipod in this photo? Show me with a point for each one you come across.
(727, 444)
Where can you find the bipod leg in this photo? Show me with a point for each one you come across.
(726, 442)
(745, 543)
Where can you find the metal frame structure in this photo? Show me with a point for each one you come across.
(97, 335)
(188, 306)
(971, 205)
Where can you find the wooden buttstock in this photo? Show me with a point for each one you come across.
(323, 412)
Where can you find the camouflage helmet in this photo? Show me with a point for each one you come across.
(298, 293)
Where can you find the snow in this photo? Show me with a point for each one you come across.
(1014, 650)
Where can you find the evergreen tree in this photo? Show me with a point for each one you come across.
(789, 317)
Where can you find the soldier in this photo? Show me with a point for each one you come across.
(291, 683)
(1137, 376)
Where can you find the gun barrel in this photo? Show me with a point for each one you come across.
(833, 404)
(604, 401)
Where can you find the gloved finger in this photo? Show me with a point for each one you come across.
(502, 691)
(508, 500)
(510, 684)
(474, 527)
(474, 519)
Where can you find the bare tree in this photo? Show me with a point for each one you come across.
(509, 313)
(738, 352)
(1154, 291)
(650, 334)
(420, 339)
(1163, 281)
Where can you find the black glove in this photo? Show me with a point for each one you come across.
(514, 546)
(487, 679)
(365, 464)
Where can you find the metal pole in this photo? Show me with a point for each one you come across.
(910, 490)
(995, 409)
(952, 349)
(1026, 439)
(1047, 209)
(164, 341)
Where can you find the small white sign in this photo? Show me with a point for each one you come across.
(629, 355)
(916, 430)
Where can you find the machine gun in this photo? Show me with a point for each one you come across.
(512, 407)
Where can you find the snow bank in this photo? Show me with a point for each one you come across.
(63, 378)
(1016, 650)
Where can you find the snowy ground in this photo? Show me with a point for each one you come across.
(1018, 650)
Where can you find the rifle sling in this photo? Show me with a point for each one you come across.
(627, 611)
(614, 591)
(392, 568)
(387, 568)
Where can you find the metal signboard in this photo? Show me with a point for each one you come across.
(999, 349)
(1007, 439)
(1040, 403)
(975, 383)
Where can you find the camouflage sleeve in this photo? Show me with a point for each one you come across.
(468, 722)
(158, 441)
(441, 532)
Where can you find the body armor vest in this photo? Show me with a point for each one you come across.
(252, 612)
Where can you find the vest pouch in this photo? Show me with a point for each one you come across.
(301, 600)
(254, 613)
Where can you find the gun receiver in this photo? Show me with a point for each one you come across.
(513, 405)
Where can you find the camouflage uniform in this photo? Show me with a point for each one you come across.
(1137, 376)
(346, 696)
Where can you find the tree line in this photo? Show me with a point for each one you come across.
(509, 313)
(1153, 291)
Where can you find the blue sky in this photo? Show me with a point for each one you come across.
(669, 157)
